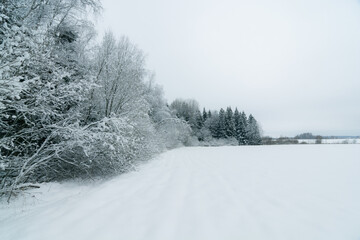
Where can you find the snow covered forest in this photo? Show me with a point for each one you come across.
(74, 108)
(223, 127)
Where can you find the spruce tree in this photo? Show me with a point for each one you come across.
(237, 125)
(199, 122)
(229, 123)
(204, 115)
(213, 123)
(253, 131)
(221, 129)
(242, 134)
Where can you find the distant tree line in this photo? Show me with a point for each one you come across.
(224, 124)
(278, 141)
(312, 136)
(306, 136)
(266, 140)
(318, 138)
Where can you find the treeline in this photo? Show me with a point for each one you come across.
(266, 140)
(70, 107)
(74, 108)
(311, 136)
(279, 141)
(233, 126)
(307, 136)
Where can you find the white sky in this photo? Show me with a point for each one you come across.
(295, 65)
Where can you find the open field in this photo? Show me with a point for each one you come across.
(263, 192)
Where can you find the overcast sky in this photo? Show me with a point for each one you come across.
(295, 65)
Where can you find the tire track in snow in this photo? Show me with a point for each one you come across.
(278, 192)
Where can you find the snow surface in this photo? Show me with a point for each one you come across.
(263, 192)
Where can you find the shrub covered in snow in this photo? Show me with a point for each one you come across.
(66, 111)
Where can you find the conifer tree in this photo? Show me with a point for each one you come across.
(221, 129)
(199, 120)
(204, 115)
(242, 135)
(229, 123)
(212, 123)
(253, 132)
(237, 124)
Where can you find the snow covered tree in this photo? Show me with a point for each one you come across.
(242, 129)
(45, 83)
(237, 124)
(253, 131)
(186, 110)
(199, 120)
(171, 131)
(212, 123)
(221, 128)
(120, 72)
(174, 132)
(229, 123)
(42, 85)
(240, 122)
(204, 115)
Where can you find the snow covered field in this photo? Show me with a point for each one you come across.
(261, 192)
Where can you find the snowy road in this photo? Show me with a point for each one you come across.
(266, 192)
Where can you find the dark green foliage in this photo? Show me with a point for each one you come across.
(224, 124)
(204, 115)
(242, 131)
(199, 120)
(305, 136)
(237, 125)
(253, 133)
(240, 127)
(212, 124)
(229, 123)
(221, 128)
